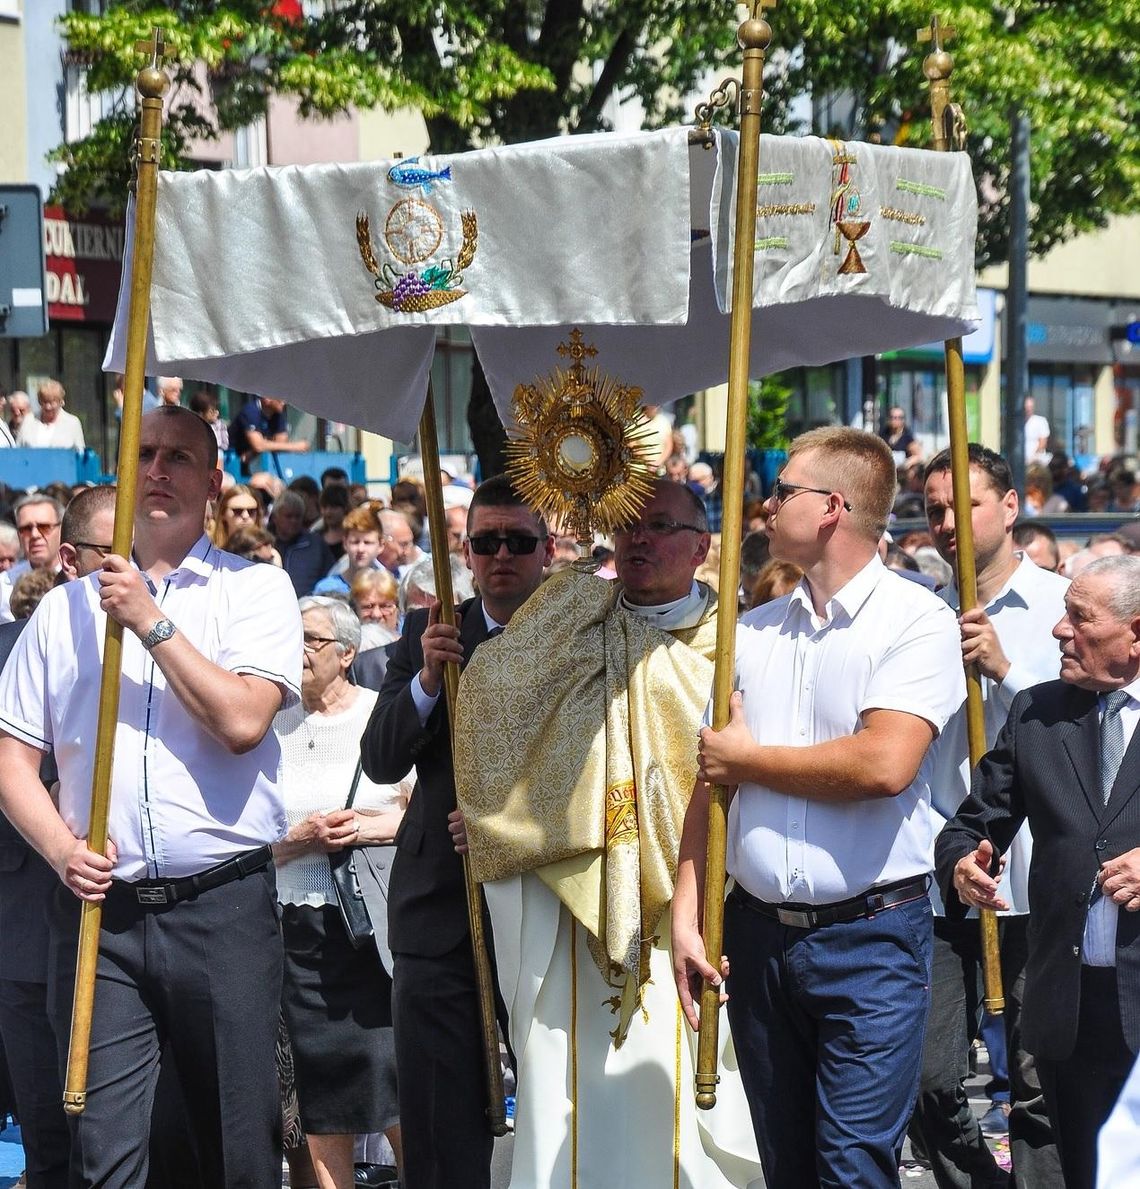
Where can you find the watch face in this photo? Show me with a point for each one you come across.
(162, 630)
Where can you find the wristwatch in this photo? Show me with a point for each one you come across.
(162, 630)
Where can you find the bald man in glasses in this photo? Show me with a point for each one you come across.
(439, 1054)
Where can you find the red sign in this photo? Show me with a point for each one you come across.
(84, 258)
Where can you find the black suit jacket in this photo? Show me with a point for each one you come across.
(1045, 766)
(427, 902)
(26, 880)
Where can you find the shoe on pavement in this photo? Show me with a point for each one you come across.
(374, 1176)
(995, 1122)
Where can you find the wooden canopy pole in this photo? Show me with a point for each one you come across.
(441, 564)
(949, 133)
(152, 83)
(754, 36)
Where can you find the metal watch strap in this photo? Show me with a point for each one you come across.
(162, 630)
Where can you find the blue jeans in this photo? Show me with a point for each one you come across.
(828, 1025)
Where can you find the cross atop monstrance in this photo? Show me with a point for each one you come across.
(577, 350)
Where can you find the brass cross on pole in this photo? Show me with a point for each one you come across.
(155, 48)
(936, 32)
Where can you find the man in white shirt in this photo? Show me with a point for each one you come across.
(1008, 636)
(843, 686)
(54, 426)
(1068, 762)
(190, 953)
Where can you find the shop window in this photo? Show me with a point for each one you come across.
(1064, 396)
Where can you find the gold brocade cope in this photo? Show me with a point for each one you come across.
(575, 757)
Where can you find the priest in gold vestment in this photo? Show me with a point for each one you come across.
(575, 757)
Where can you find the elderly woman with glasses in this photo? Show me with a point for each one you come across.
(337, 998)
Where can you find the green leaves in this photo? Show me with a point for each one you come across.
(488, 71)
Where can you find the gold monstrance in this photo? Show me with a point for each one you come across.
(582, 454)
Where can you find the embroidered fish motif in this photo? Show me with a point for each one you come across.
(410, 175)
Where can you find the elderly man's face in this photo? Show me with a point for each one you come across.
(657, 557)
(1099, 651)
(38, 527)
(396, 545)
(18, 406)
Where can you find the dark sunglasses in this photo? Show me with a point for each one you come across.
(781, 491)
(486, 545)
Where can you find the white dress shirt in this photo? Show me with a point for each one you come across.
(884, 644)
(1024, 613)
(179, 801)
(64, 433)
(1098, 946)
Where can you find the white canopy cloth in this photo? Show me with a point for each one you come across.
(264, 282)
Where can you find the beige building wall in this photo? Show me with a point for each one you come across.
(384, 135)
(1103, 264)
(13, 102)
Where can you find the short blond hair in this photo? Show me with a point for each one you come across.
(858, 465)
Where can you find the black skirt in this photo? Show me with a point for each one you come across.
(338, 1009)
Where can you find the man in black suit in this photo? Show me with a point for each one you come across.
(26, 885)
(439, 1055)
(1068, 761)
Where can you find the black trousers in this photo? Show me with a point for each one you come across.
(33, 1063)
(1081, 1091)
(943, 1117)
(202, 980)
(440, 1072)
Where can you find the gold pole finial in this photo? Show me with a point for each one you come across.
(153, 82)
(949, 124)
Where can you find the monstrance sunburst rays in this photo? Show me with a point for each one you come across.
(582, 454)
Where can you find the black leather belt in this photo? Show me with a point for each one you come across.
(170, 891)
(857, 908)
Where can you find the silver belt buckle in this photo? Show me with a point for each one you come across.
(151, 895)
(789, 916)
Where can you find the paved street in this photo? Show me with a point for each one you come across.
(11, 1154)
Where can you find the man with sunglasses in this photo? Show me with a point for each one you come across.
(439, 1055)
(576, 758)
(842, 687)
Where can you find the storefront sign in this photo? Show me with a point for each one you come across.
(1068, 330)
(84, 262)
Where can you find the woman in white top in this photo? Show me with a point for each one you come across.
(337, 999)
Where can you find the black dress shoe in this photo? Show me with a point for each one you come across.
(375, 1176)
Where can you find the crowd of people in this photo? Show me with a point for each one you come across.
(285, 966)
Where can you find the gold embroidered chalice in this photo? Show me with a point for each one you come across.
(852, 230)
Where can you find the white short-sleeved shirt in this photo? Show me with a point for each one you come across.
(180, 802)
(64, 433)
(1024, 613)
(886, 644)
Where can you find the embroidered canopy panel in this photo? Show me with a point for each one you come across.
(322, 285)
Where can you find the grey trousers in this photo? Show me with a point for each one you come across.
(202, 980)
